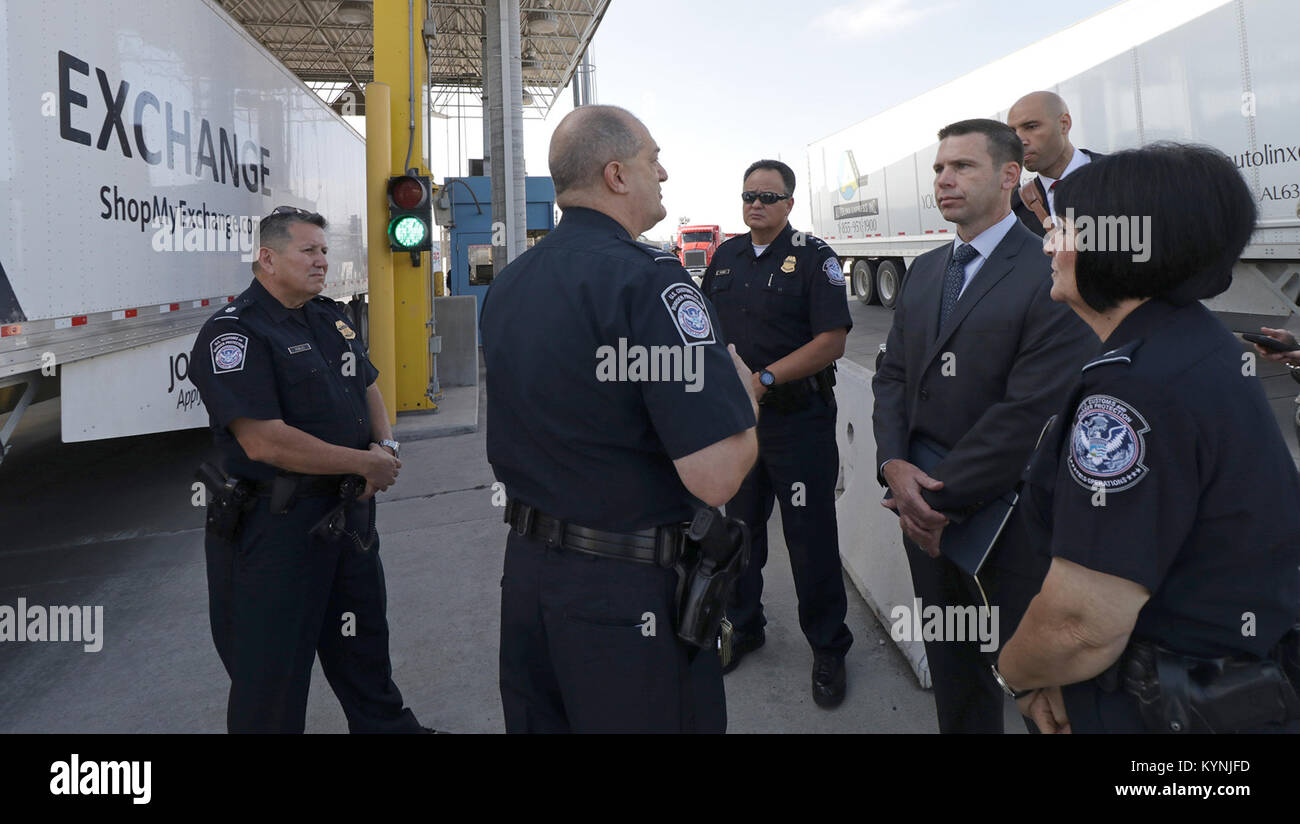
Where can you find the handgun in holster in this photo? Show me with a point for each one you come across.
(333, 524)
(716, 553)
(1180, 693)
(230, 498)
(826, 384)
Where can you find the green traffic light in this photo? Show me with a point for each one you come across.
(408, 231)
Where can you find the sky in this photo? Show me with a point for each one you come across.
(721, 83)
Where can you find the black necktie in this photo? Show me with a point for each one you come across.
(953, 278)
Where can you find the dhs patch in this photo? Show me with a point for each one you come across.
(1106, 447)
(833, 271)
(686, 308)
(228, 352)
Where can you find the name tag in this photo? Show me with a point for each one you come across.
(302, 347)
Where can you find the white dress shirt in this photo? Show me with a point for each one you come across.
(985, 242)
(1077, 160)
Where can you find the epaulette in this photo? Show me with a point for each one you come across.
(1122, 354)
(658, 254)
(232, 309)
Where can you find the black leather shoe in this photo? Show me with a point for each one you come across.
(741, 643)
(828, 679)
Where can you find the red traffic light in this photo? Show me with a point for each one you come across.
(406, 192)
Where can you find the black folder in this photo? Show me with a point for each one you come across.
(966, 544)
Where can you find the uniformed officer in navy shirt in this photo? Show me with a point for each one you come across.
(613, 409)
(290, 392)
(1164, 489)
(781, 300)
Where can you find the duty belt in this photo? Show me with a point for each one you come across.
(660, 545)
(306, 486)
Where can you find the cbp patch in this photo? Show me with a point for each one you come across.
(833, 271)
(228, 352)
(1107, 448)
(686, 308)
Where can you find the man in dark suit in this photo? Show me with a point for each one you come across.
(1042, 122)
(978, 358)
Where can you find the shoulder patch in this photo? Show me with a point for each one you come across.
(1106, 447)
(228, 352)
(686, 308)
(834, 273)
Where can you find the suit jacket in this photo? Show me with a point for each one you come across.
(1022, 211)
(984, 384)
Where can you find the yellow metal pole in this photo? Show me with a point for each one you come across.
(379, 259)
(400, 63)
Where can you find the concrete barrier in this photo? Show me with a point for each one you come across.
(871, 543)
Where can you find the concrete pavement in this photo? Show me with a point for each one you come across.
(111, 524)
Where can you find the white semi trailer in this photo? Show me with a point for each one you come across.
(143, 141)
(1207, 71)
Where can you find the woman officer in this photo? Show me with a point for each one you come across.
(1171, 500)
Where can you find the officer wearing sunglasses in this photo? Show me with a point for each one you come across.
(781, 300)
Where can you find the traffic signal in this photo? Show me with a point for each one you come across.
(410, 213)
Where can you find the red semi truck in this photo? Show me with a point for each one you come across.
(696, 245)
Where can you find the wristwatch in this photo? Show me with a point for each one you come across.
(393, 445)
(1002, 682)
(766, 378)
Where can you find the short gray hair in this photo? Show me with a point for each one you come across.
(601, 135)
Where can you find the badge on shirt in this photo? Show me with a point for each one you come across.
(302, 347)
(788, 265)
(1107, 447)
(833, 271)
(228, 352)
(686, 308)
(344, 329)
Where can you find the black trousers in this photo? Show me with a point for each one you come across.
(278, 597)
(798, 463)
(966, 698)
(588, 645)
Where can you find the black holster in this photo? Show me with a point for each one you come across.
(333, 524)
(715, 553)
(229, 499)
(1183, 693)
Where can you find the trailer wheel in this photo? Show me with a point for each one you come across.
(887, 280)
(864, 282)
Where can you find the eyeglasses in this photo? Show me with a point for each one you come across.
(767, 197)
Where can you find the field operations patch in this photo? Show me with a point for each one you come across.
(1107, 447)
(686, 308)
(833, 271)
(228, 352)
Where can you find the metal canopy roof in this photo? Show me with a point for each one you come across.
(331, 51)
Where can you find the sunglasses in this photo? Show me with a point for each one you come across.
(767, 197)
(289, 210)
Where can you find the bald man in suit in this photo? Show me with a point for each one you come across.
(1042, 122)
